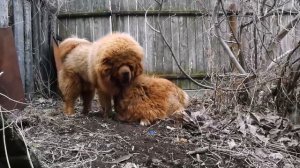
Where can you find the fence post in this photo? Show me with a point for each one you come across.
(19, 35)
(28, 59)
(113, 8)
(3, 14)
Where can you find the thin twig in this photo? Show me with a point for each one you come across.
(26, 146)
(283, 33)
(175, 59)
(4, 139)
(16, 101)
(178, 65)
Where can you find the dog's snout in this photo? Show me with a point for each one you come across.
(125, 74)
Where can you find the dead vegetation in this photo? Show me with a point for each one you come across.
(217, 131)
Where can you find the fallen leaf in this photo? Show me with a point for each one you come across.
(198, 150)
(287, 165)
(181, 140)
(293, 143)
(260, 153)
(121, 159)
(242, 126)
(284, 139)
(296, 128)
(156, 161)
(275, 132)
(276, 156)
(231, 144)
(130, 165)
(199, 115)
(253, 129)
(255, 118)
(41, 100)
(170, 128)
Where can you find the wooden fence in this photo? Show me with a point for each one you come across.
(34, 22)
(186, 25)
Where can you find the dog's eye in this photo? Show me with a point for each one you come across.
(107, 72)
(130, 67)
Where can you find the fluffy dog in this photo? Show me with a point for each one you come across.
(105, 65)
(115, 61)
(148, 99)
(73, 78)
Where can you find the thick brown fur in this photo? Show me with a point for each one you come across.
(115, 61)
(149, 99)
(112, 61)
(73, 78)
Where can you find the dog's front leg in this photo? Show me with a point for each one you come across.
(105, 102)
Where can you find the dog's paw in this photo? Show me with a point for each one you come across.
(70, 115)
(145, 122)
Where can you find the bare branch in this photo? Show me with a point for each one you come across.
(177, 63)
(4, 139)
(257, 19)
(172, 53)
(283, 33)
(287, 28)
(223, 43)
(276, 61)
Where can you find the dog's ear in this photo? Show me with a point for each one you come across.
(139, 69)
(105, 61)
(102, 70)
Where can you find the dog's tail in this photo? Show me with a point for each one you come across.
(68, 45)
(185, 99)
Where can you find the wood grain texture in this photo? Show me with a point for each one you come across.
(19, 35)
(3, 14)
(186, 24)
(28, 58)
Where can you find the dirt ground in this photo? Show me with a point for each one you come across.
(207, 138)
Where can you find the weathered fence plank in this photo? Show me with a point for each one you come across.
(168, 60)
(142, 32)
(159, 46)
(186, 24)
(175, 41)
(3, 14)
(19, 35)
(150, 48)
(36, 38)
(29, 84)
(101, 27)
(80, 6)
(191, 32)
(200, 56)
(183, 43)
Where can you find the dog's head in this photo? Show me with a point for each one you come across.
(120, 61)
(120, 74)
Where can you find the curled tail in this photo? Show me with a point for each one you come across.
(68, 45)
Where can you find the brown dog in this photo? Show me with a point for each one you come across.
(73, 78)
(106, 65)
(148, 99)
(115, 61)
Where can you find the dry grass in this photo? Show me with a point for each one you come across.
(217, 131)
